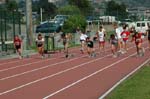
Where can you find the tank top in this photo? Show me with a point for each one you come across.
(101, 35)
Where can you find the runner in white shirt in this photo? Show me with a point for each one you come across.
(101, 37)
(83, 37)
(118, 32)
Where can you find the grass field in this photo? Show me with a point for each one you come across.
(135, 87)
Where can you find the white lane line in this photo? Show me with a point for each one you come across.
(47, 77)
(12, 62)
(37, 69)
(26, 64)
(91, 75)
(123, 79)
(16, 75)
(16, 61)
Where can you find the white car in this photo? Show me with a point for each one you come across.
(142, 26)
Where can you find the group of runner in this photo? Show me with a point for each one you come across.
(118, 41)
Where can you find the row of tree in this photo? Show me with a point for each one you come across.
(115, 9)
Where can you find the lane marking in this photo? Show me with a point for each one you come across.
(123, 79)
(2, 70)
(47, 77)
(26, 64)
(16, 75)
(47, 66)
(78, 81)
(16, 61)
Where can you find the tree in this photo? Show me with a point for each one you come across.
(49, 9)
(69, 10)
(11, 5)
(83, 5)
(115, 9)
(73, 22)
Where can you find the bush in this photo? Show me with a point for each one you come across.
(73, 22)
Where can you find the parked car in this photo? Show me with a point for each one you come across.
(48, 27)
(142, 26)
(63, 17)
(60, 19)
(128, 22)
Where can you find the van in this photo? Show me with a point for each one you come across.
(142, 26)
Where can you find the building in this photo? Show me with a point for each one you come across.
(141, 12)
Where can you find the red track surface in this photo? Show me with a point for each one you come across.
(79, 77)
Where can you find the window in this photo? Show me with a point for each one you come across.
(138, 24)
(143, 24)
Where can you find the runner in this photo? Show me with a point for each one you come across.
(114, 45)
(148, 34)
(101, 37)
(78, 30)
(65, 40)
(90, 47)
(125, 36)
(18, 46)
(40, 45)
(138, 41)
(118, 36)
(132, 31)
(83, 37)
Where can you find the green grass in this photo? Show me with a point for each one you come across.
(136, 87)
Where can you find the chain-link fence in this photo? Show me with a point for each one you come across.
(52, 42)
(10, 25)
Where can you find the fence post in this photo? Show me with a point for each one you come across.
(2, 40)
(19, 19)
(5, 18)
(13, 24)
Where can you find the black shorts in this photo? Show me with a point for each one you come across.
(114, 43)
(90, 46)
(18, 47)
(149, 38)
(64, 42)
(82, 41)
(39, 45)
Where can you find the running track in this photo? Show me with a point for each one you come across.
(79, 77)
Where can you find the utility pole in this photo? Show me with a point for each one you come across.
(29, 26)
(41, 14)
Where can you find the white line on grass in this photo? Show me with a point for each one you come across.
(123, 79)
